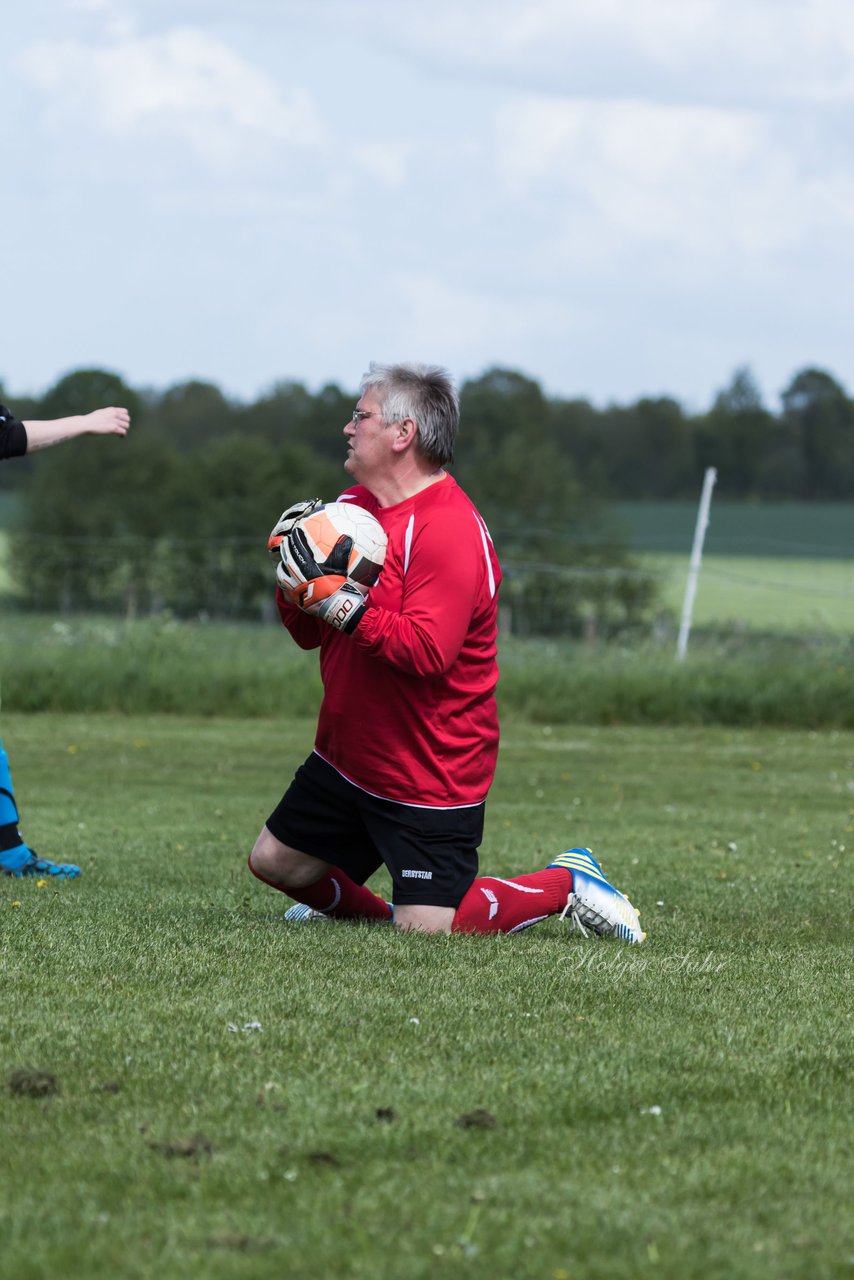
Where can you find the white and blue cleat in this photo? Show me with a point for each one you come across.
(593, 902)
(301, 913)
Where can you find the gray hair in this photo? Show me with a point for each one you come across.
(426, 394)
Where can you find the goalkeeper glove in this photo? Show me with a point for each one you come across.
(287, 520)
(326, 592)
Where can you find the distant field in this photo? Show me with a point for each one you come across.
(751, 593)
(783, 567)
(801, 529)
(763, 593)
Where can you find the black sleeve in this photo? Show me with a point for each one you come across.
(13, 435)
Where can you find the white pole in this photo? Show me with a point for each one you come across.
(696, 560)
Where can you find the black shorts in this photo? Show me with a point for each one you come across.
(431, 854)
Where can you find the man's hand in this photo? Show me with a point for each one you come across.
(332, 599)
(326, 591)
(107, 422)
(287, 581)
(287, 520)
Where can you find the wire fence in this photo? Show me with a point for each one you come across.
(232, 578)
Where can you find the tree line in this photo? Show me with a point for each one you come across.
(176, 515)
(651, 449)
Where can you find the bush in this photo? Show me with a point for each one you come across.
(245, 670)
(589, 603)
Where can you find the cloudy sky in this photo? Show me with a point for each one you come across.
(616, 197)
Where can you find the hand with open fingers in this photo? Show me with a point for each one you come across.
(288, 519)
(326, 591)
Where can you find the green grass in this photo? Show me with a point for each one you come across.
(246, 670)
(175, 1147)
(748, 593)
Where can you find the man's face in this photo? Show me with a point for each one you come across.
(368, 440)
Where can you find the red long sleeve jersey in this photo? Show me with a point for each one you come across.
(408, 709)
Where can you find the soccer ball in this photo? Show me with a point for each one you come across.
(326, 525)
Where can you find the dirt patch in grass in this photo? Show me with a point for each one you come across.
(29, 1082)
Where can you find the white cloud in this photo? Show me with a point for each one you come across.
(617, 196)
(702, 51)
(182, 84)
(474, 322)
(90, 6)
(701, 179)
(386, 162)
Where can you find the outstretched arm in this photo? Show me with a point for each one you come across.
(101, 422)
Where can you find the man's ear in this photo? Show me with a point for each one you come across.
(405, 432)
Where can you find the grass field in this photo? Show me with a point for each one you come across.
(750, 593)
(235, 1098)
(778, 566)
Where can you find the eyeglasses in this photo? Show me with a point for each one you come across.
(359, 415)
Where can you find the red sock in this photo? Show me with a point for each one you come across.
(504, 906)
(337, 896)
(340, 897)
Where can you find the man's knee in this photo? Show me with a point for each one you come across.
(425, 919)
(276, 863)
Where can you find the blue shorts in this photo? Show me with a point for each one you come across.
(431, 854)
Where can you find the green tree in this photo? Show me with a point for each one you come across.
(137, 525)
(89, 512)
(280, 414)
(566, 573)
(192, 414)
(648, 450)
(85, 390)
(576, 428)
(821, 416)
(289, 414)
(499, 404)
(175, 517)
(737, 436)
(332, 408)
